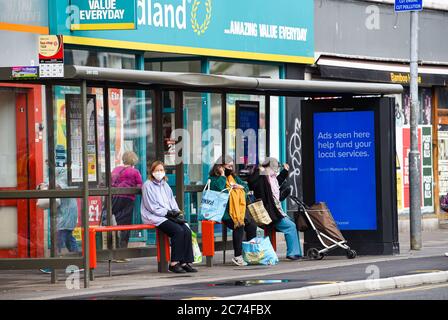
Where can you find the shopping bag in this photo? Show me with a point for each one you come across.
(259, 250)
(259, 213)
(196, 250)
(213, 204)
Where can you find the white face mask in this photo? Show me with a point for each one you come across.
(158, 175)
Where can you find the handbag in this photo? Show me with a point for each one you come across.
(213, 203)
(175, 216)
(259, 250)
(259, 213)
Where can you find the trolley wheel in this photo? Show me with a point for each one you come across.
(351, 254)
(313, 254)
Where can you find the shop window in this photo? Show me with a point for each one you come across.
(174, 66)
(8, 146)
(99, 59)
(244, 69)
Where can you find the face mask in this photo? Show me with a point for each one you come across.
(273, 172)
(227, 172)
(158, 175)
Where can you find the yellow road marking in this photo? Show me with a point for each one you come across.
(381, 293)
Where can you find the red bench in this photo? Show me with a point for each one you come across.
(162, 243)
(208, 240)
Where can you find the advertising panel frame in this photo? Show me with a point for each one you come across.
(383, 240)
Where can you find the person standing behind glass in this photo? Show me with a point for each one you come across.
(125, 176)
(159, 208)
(223, 177)
(66, 217)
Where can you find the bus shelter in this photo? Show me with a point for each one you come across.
(96, 85)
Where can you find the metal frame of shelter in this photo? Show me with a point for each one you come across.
(85, 77)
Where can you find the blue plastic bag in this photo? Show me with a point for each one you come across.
(259, 250)
(213, 204)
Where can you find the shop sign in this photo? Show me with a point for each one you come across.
(281, 30)
(102, 14)
(424, 147)
(402, 78)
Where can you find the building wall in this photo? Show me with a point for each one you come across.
(21, 22)
(371, 29)
(368, 29)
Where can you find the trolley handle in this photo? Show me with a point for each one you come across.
(299, 202)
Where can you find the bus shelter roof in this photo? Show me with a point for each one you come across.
(124, 78)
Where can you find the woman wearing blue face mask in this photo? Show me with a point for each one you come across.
(159, 208)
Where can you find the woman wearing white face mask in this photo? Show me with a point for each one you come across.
(159, 208)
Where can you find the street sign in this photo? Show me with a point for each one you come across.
(408, 5)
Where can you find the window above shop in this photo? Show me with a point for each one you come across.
(174, 66)
(245, 69)
(92, 58)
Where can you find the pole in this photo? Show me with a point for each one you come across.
(414, 154)
(85, 183)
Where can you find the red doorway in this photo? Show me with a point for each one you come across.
(22, 104)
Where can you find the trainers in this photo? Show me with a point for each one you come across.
(446, 254)
(239, 261)
(293, 257)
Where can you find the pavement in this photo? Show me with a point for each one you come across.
(333, 276)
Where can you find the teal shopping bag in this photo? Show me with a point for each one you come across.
(259, 250)
(213, 204)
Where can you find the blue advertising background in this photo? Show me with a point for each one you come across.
(345, 176)
(213, 17)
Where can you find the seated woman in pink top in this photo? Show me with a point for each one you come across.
(125, 176)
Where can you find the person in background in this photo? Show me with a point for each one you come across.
(159, 208)
(222, 176)
(265, 182)
(67, 216)
(125, 176)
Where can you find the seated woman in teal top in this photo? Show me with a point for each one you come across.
(221, 177)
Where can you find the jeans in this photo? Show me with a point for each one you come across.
(288, 227)
(66, 239)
